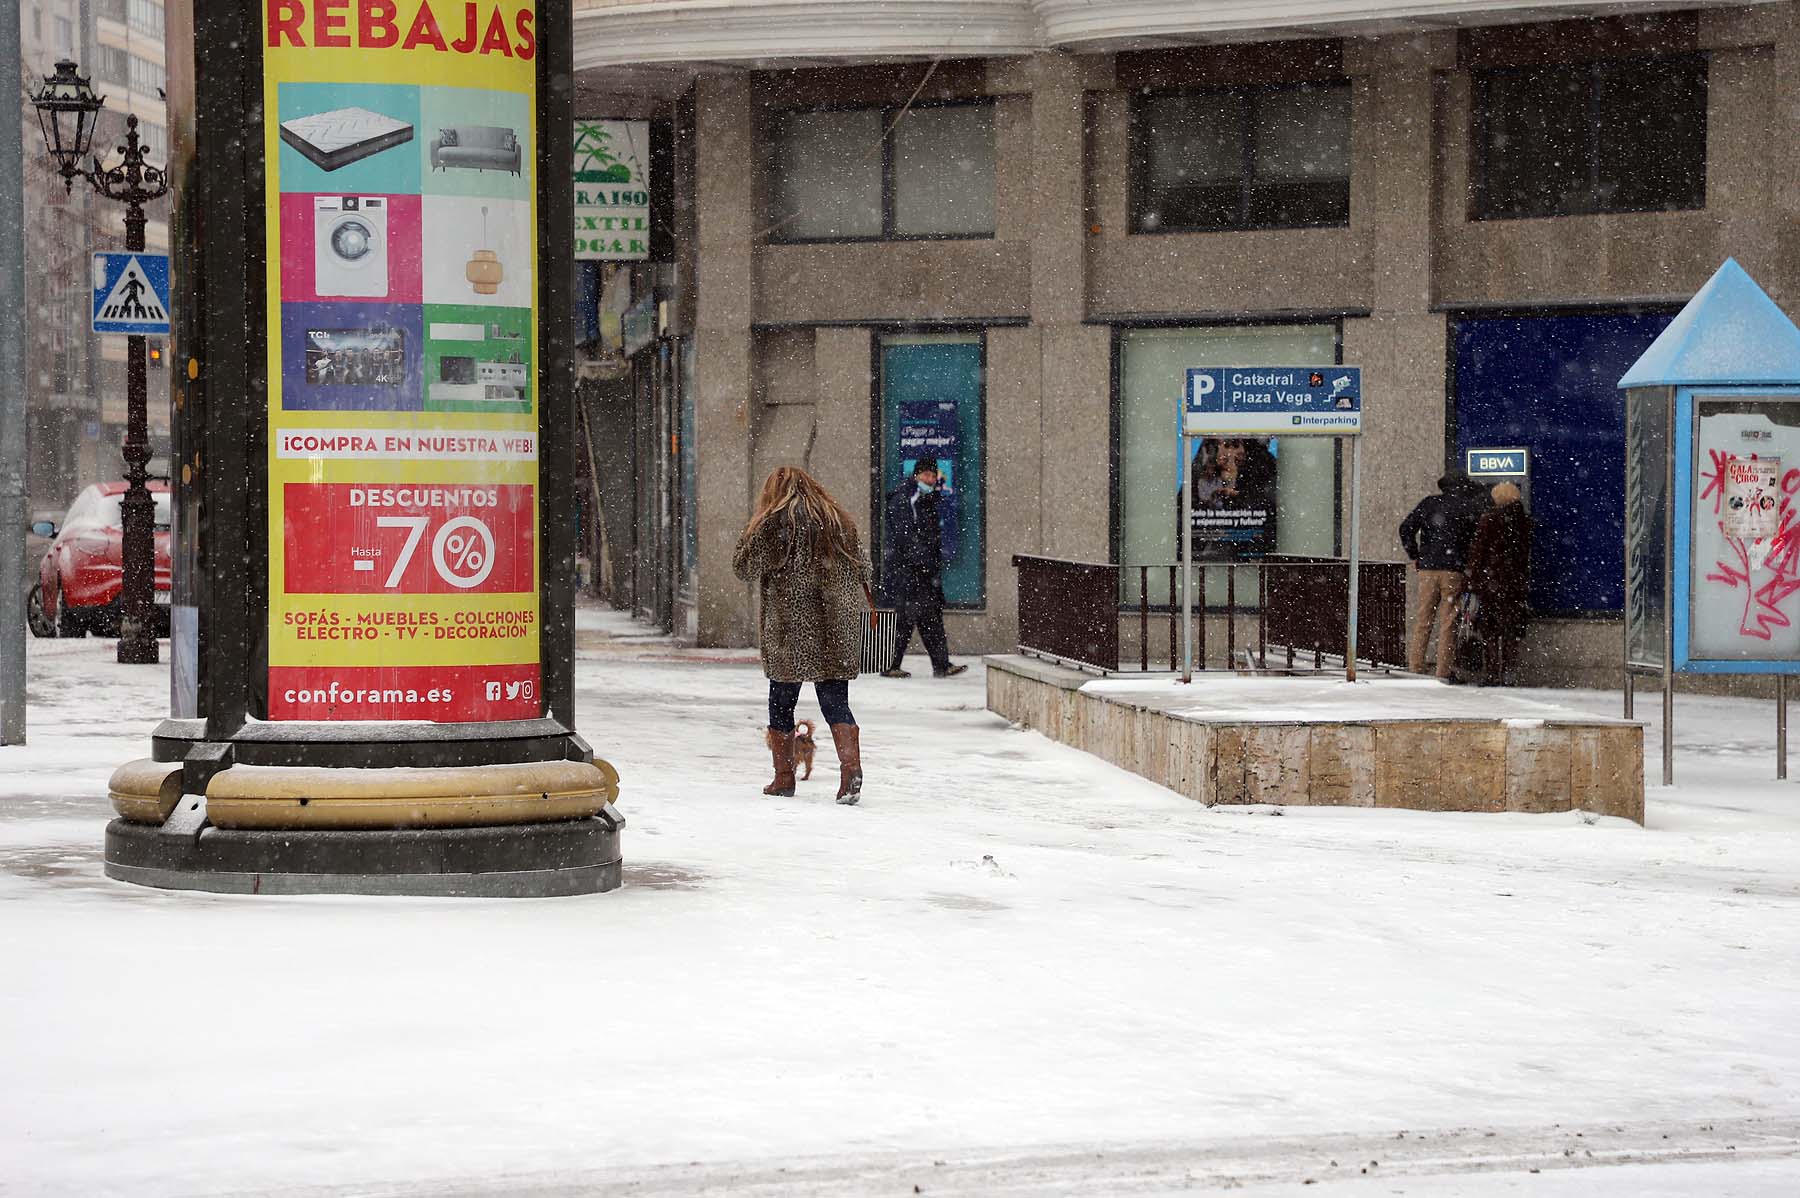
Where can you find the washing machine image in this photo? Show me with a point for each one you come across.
(350, 246)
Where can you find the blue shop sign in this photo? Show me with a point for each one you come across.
(1495, 463)
(1273, 401)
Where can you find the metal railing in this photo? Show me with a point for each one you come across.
(1069, 612)
(1293, 606)
(1306, 609)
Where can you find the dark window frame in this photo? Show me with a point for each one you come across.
(1481, 202)
(1118, 330)
(887, 114)
(1248, 97)
(1452, 422)
(877, 443)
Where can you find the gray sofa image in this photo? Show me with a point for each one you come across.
(476, 148)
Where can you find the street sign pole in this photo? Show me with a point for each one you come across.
(12, 400)
(1185, 554)
(1277, 401)
(1355, 557)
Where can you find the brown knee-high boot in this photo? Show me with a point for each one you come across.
(848, 739)
(781, 748)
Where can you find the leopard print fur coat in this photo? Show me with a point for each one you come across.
(813, 610)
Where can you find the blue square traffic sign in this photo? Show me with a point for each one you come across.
(131, 293)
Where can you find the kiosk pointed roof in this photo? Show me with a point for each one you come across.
(1730, 332)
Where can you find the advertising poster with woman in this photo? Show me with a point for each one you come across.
(1233, 498)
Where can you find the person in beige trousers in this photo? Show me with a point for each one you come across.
(1436, 536)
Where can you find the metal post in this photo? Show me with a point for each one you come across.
(12, 399)
(137, 511)
(1185, 550)
(1668, 573)
(1144, 619)
(1631, 439)
(1355, 557)
(1780, 727)
(1230, 616)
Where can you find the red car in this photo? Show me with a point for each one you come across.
(81, 576)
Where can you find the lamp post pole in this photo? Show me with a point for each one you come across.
(67, 95)
(13, 569)
(134, 184)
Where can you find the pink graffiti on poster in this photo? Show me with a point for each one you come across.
(1757, 517)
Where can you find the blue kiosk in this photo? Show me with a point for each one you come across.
(1712, 498)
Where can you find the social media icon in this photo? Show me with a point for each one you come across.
(493, 691)
(512, 690)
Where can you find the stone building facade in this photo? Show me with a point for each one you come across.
(1486, 214)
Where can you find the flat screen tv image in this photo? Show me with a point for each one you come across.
(351, 357)
(355, 357)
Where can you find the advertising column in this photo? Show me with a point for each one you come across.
(402, 369)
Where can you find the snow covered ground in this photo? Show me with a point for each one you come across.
(1013, 970)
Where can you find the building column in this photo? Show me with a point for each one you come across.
(1074, 359)
(724, 151)
(1401, 344)
(1784, 155)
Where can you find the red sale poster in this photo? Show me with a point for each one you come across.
(409, 539)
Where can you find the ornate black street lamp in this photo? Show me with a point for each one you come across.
(67, 109)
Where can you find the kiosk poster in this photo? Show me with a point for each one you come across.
(1749, 507)
(1744, 557)
(930, 429)
(1233, 486)
(402, 341)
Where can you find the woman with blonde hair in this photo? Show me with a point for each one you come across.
(802, 551)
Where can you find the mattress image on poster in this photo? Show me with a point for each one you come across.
(345, 357)
(330, 140)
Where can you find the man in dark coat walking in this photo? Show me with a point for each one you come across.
(913, 569)
(1436, 536)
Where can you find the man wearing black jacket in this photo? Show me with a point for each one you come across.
(913, 569)
(1436, 536)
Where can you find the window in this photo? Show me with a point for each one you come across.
(1153, 366)
(1625, 136)
(112, 64)
(932, 404)
(837, 176)
(156, 142)
(65, 35)
(146, 76)
(146, 17)
(1263, 158)
(1549, 384)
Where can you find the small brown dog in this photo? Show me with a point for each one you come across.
(803, 747)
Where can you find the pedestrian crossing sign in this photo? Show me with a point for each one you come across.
(131, 293)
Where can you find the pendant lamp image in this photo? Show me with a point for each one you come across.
(485, 271)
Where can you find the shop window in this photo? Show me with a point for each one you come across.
(873, 173)
(1262, 158)
(1565, 140)
(932, 402)
(1550, 385)
(1153, 365)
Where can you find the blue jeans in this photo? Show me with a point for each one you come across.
(833, 696)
